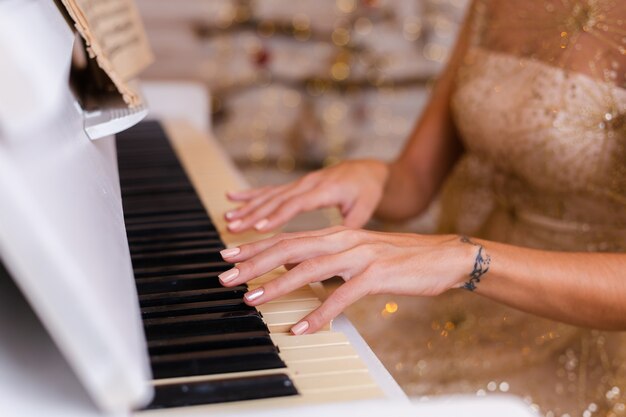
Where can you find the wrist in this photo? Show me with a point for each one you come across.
(473, 263)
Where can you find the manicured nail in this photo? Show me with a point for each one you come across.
(228, 276)
(253, 295)
(229, 214)
(261, 224)
(234, 225)
(228, 253)
(300, 328)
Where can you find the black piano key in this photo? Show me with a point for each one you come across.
(222, 390)
(180, 297)
(158, 189)
(203, 324)
(182, 282)
(250, 358)
(177, 257)
(214, 244)
(141, 204)
(208, 342)
(201, 307)
(132, 177)
(174, 216)
(168, 228)
(181, 269)
(138, 241)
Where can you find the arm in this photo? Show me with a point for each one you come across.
(587, 289)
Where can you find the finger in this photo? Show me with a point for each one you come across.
(311, 270)
(254, 202)
(360, 214)
(258, 216)
(338, 301)
(291, 207)
(244, 195)
(243, 252)
(286, 251)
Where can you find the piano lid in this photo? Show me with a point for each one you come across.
(62, 234)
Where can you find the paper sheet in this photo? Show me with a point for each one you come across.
(115, 37)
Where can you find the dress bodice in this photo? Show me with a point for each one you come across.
(545, 146)
(540, 105)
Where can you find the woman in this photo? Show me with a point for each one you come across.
(525, 139)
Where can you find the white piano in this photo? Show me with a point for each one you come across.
(108, 262)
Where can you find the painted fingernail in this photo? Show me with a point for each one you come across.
(234, 225)
(300, 328)
(228, 276)
(261, 224)
(253, 295)
(228, 253)
(229, 214)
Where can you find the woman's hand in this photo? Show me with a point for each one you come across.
(355, 187)
(368, 262)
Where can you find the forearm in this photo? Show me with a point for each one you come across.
(587, 289)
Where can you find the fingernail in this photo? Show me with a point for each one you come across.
(300, 328)
(253, 295)
(227, 253)
(228, 276)
(229, 214)
(234, 225)
(261, 224)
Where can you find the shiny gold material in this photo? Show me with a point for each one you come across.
(540, 105)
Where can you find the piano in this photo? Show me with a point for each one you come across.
(109, 255)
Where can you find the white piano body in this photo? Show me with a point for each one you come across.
(71, 339)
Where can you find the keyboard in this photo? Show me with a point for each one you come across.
(205, 345)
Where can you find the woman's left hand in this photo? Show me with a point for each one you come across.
(369, 263)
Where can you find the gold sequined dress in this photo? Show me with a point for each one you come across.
(540, 105)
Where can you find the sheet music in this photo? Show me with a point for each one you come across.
(115, 36)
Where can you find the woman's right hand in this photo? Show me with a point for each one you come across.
(354, 187)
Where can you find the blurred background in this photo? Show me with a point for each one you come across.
(301, 84)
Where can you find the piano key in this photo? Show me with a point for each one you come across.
(177, 257)
(203, 307)
(220, 361)
(182, 282)
(179, 297)
(321, 352)
(167, 217)
(288, 342)
(131, 177)
(289, 306)
(358, 378)
(180, 269)
(203, 324)
(174, 237)
(208, 342)
(223, 390)
(141, 204)
(166, 228)
(159, 188)
(209, 243)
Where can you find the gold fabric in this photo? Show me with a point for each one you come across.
(540, 105)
